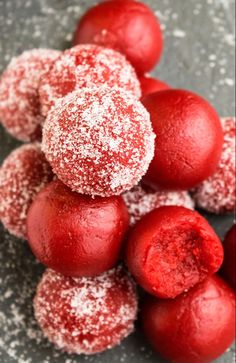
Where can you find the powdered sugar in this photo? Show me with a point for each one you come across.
(19, 101)
(86, 66)
(142, 200)
(86, 315)
(217, 193)
(99, 141)
(22, 175)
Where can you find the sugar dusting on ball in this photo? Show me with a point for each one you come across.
(86, 66)
(86, 315)
(23, 174)
(217, 194)
(99, 141)
(19, 100)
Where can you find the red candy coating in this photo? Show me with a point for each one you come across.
(86, 315)
(19, 99)
(196, 327)
(99, 142)
(22, 175)
(127, 26)
(151, 85)
(171, 249)
(217, 194)
(189, 139)
(74, 234)
(229, 265)
(141, 200)
(86, 66)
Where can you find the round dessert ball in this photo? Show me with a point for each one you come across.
(87, 242)
(99, 141)
(189, 139)
(22, 175)
(86, 315)
(127, 26)
(217, 194)
(171, 249)
(197, 326)
(19, 100)
(151, 85)
(86, 66)
(141, 200)
(229, 265)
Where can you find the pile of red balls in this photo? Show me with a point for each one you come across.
(105, 178)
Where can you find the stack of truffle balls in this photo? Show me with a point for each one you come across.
(103, 177)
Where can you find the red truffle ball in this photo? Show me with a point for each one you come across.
(141, 200)
(171, 249)
(99, 142)
(74, 234)
(196, 327)
(86, 315)
(217, 194)
(229, 265)
(23, 174)
(86, 66)
(189, 139)
(127, 26)
(151, 85)
(19, 99)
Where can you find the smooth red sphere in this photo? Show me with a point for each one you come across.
(127, 26)
(229, 265)
(171, 249)
(151, 85)
(74, 234)
(196, 327)
(86, 315)
(189, 139)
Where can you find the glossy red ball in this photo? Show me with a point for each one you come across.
(171, 249)
(229, 265)
(74, 234)
(196, 327)
(189, 139)
(127, 26)
(151, 85)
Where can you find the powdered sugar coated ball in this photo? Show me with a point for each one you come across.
(217, 194)
(86, 66)
(99, 142)
(23, 174)
(19, 99)
(86, 315)
(141, 200)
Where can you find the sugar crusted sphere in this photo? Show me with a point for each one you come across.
(19, 99)
(99, 142)
(86, 66)
(86, 315)
(141, 200)
(217, 194)
(23, 174)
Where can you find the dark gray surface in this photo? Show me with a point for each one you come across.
(199, 55)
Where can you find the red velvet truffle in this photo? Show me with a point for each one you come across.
(151, 85)
(196, 327)
(171, 249)
(23, 174)
(217, 194)
(127, 26)
(19, 100)
(189, 139)
(141, 200)
(229, 265)
(99, 141)
(86, 66)
(86, 315)
(74, 234)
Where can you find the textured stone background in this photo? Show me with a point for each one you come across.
(199, 55)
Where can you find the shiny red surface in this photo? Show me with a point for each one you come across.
(229, 265)
(151, 85)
